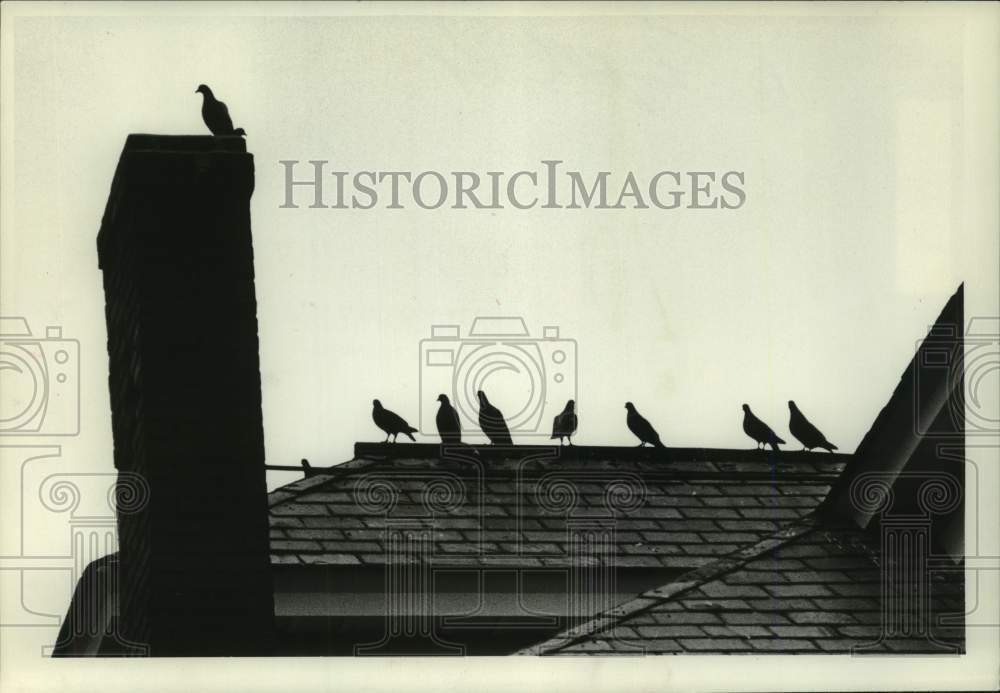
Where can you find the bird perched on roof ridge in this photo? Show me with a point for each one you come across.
(307, 469)
(642, 429)
(391, 422)
(448, 424)
(758, 430)
(564, 424)
(805, 432)
(492, 422)
(216, 114)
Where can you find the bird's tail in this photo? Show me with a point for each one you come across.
(659, 444)
(409, 434)
(830, 446)
(779, 440)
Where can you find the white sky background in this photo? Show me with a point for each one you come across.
(816, 290)
(864, 167)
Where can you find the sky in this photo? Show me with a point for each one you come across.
(862, 136)
(847, 133)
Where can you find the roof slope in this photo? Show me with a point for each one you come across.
(806, 590)
(680, 509)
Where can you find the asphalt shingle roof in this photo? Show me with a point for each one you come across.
(682, 509)
(818, 591)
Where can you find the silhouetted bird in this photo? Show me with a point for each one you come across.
(805, 432)
(564, 424)
(307, 469)
(758, 430)
(448, 424)
(391, 423)
(215, 114)
(642, 429)
(492, 423)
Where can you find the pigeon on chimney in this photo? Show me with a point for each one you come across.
(758, 430)
(215, 114)
(391, 423)
(448, 424)
(564, 424)
(492, 423)
(805, 432)
(642, 429)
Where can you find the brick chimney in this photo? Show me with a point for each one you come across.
(177, 255)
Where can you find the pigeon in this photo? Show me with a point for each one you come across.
(642, 429)
(307, 469)
(758, 430)
(391, 423)
(564, 424)
(492, 423)
(805, 432)
(448, 424)
(216, 115)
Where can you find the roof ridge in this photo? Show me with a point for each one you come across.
(689, 580)
(318, 477)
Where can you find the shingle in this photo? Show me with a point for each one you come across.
(796, 489)
(339, 497)
(681, 618)
(709, 549)
(297, 509)
(711, 513)
(732, 502)
(277, 521)
(838, 563)
(287, 545)
(532, 547)
(801, 550)
(337, 522)
(456, 547)
(863, 632)
(783, 645)
(669, 631)
(775, 564)
(823, 576)
(839, 645)
(650, 548)
(315, 533)
(716, 605)
(718, 589)
(753, 618)
(737, 631)
(847, 604)
(730, 537)
(690, 562)
(352, 547)
(783, 604)
(748, 577)
(329, 559)
(820, 617)
(714, 644)
(639, 561)
(798, 590)
(800, 631)
(769, 513)
(671, 537)
(284, 558)
(856, 590)
(748, 525)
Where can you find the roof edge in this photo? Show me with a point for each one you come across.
(687, 581)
